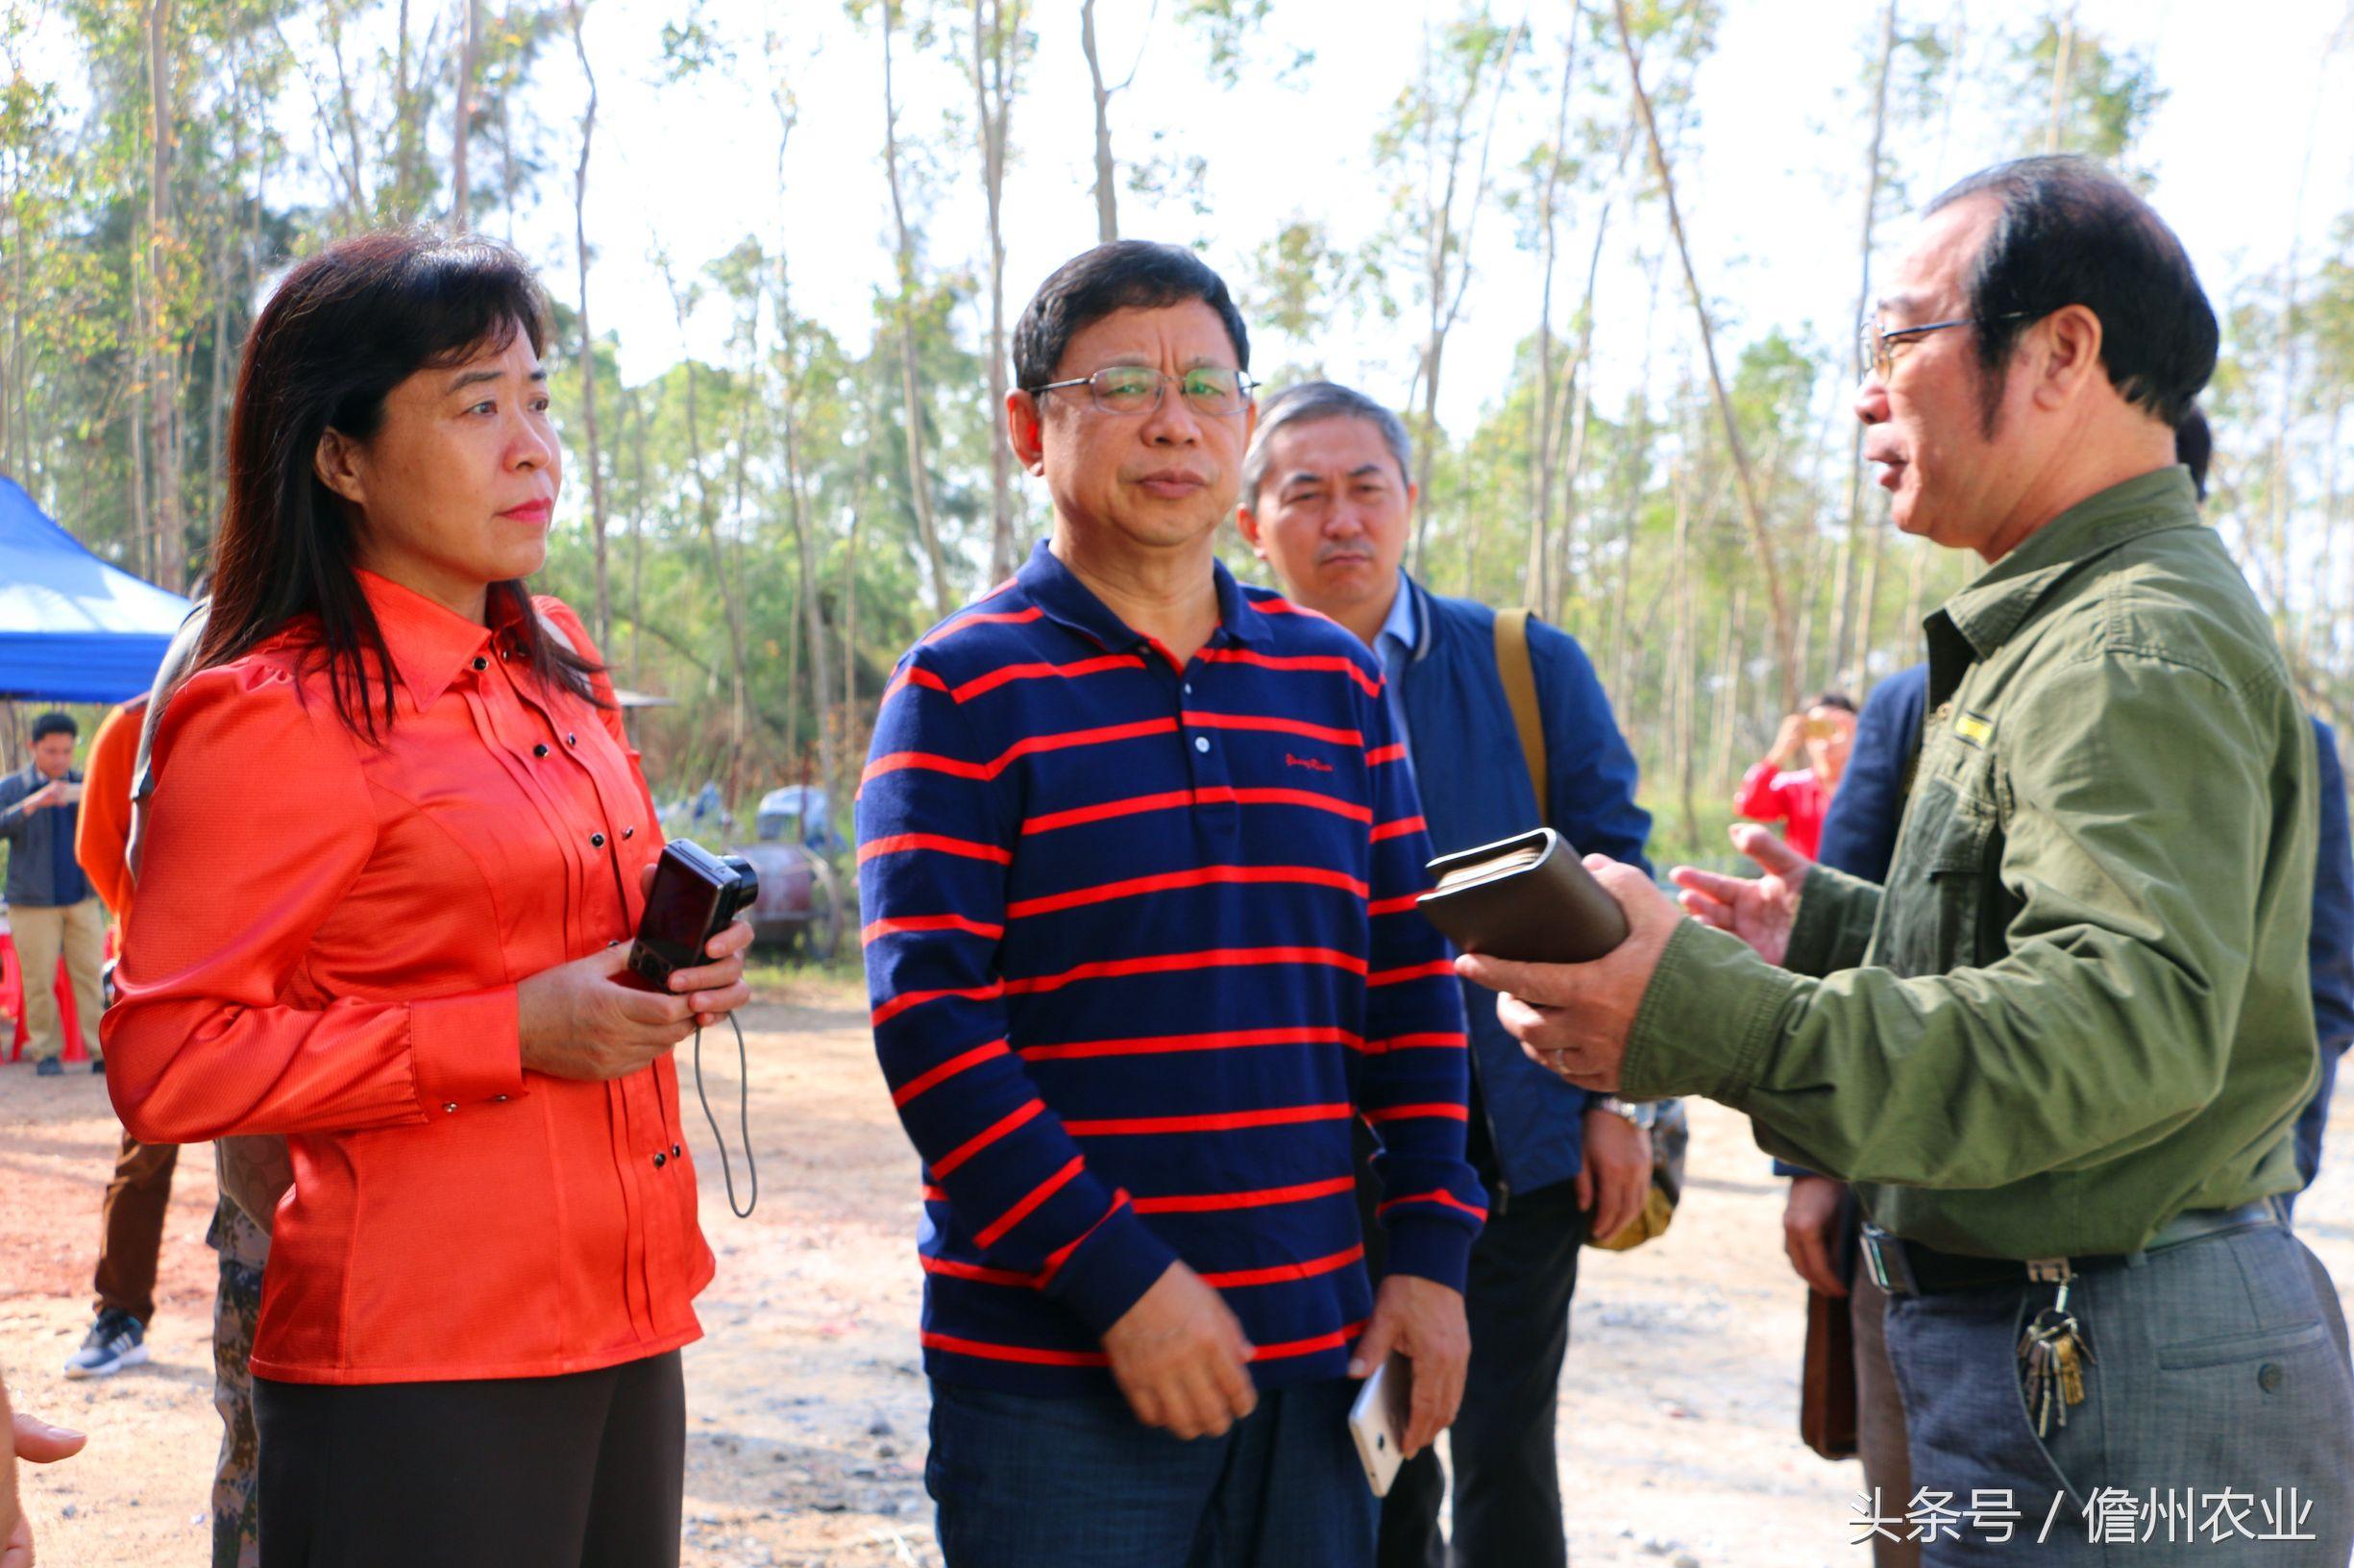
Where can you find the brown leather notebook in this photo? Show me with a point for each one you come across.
(1527, 897)
(1826, 1386)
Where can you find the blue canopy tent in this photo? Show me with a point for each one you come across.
(73, 628)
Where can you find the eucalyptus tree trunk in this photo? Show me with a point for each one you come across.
(919, 471)
(588, 338)
(996, 59)
(1107, 196)
(1847, 646)
(462, 135)
(1753, 510)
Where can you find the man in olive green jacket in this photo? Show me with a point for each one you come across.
(2062, 1050)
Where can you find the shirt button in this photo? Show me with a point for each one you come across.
(571, 739)
(629, 832)
(1201, 742)
(661, 1160)
(450, 1109)
(1189, 688)
(539, 750)
(596, 841)
(498, 1099)
(481, 664)
(674, 1151)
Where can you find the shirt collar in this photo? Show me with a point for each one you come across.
(1402, 623)
(1057, 591)
(430, 643)
(1990, 610)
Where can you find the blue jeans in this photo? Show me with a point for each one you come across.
(1075, 1480)
(2221, 1368)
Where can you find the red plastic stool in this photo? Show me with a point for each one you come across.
(12, 1003)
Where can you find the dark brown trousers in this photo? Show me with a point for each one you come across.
(132, 1218)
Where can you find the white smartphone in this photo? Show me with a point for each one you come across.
(1376, 1421)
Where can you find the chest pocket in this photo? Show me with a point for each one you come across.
(1945, 907)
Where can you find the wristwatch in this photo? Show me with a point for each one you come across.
(1642, 1113)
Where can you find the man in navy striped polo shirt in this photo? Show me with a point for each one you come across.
(1138, 857)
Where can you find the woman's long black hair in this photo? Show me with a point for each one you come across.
(342, 331)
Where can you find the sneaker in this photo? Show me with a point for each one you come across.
(50, 1067)
(116, 1340)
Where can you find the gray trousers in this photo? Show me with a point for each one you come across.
(2218, 1420)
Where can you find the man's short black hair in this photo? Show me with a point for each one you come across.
(2069, 233)
(2194, 448)
(54, 723)
(1124, 274)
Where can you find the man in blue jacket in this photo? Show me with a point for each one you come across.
(1326, 502)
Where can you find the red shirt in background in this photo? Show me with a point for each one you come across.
(1769, 794)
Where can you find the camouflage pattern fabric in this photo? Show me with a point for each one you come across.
(243, 1246)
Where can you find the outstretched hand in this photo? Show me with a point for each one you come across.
(1759, 910)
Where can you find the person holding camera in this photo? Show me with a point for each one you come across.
(397, 844)
(52, 907)
(1795, 781)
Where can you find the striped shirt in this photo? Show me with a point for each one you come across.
(1140, 941)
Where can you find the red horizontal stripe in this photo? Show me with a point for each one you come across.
(948, 1069)
(1278, 1273)
(899, 843)
(1392, 906)
(907, 925)
(929, 761)
(1061, 1255)
(1006, 674)
(985, 618)
(1200, 719)
(1407, 1113)
(1400, 828)
(1215, 1121)
(1222, 1040)
(1028, 1205)
(987, 1136)
(976, 1271)
(1412, 971)
(1337, 1340)
(1393, 753)
(1304, 797)
(1134, 805)
(1213, 958)
(1277, 605)
(915, 675)
(1181, 799)
(1440, 1196)
(1265, 1197)
(958, 768)
(1031, 1355)
(1413, 1043)
(1200, 876)
(935, 1195)
(906, 999)
(1339, 663)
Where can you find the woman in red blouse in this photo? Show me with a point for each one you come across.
(1795, 781)
(397, 848)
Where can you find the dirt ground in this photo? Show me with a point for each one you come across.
(806, 1404)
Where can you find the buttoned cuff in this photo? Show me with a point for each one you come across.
(465, 1049)
(1110, 1269)
(1708, 1018)
(1430, 1248)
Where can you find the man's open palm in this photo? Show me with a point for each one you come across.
(1759, 910)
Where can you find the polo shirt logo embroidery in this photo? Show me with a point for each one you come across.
(1313, 763)
(1974, 728)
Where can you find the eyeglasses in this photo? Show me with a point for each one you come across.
(1136, 389)
(1876, 351)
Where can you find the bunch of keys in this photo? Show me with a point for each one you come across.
(2054, 1352)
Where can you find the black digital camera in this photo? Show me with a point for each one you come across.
(697, 894)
